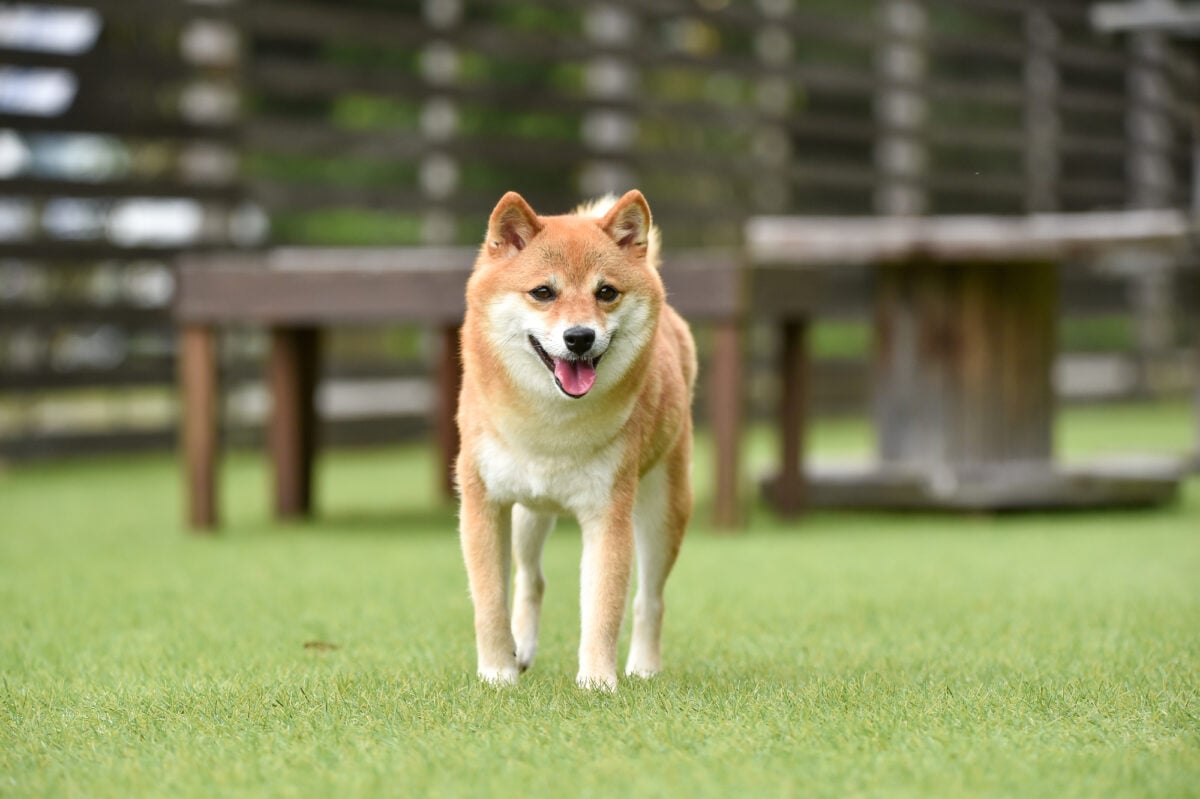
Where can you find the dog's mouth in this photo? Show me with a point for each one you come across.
(574, 377)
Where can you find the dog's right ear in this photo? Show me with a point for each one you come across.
(512, 225)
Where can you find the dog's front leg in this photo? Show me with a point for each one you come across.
(604, 585)
(530, 530)
(486, 533)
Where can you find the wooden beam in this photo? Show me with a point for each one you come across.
(292, 376)
(787, 490)
(840, 241)
(1143, 15)
(199, 412)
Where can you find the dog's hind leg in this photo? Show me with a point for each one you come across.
(529, 534)
(660, 518)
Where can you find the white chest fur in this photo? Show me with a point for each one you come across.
(549, 481)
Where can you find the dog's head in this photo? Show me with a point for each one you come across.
(568, 303)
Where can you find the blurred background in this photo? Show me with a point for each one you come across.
(134, 130)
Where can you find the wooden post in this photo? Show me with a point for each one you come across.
(445, 425)
(292, 375)
(199, 429)
(901, 109)
(1041, 116)
(611, 79)
(787, 490)
(771, 192)
(725, 400)
(439, 172)
(1151, 178)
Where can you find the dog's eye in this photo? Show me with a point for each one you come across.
(543, 293)
(607, 294)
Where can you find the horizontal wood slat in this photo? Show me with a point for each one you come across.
(375, 285)
(813, 241)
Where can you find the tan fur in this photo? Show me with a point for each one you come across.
(618, 458)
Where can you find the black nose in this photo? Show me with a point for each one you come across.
(579, 339)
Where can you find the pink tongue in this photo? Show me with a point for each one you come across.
(576, 377)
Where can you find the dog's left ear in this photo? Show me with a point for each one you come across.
(628, 222)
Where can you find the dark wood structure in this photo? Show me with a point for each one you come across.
(299, 292)
(965, 339)
(355, 122)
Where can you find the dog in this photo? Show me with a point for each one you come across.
(576, 399)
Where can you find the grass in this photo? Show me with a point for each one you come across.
(855, 654)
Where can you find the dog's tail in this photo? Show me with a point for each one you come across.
(601, 205)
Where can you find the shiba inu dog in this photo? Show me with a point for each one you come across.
(576, 398)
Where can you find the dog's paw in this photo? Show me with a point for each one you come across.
(642, 672)
(643, 662)
(525, 655)
(597, 682)
(506, 675)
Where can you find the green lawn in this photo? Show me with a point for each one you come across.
(851, 655)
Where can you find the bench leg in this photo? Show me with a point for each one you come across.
(725, 407)
(449, 383)
(291, 429)
(199, 434)
(787, 490)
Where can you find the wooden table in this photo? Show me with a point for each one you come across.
(965, 339)
(298, 292)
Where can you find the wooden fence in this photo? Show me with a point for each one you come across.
(380, 122)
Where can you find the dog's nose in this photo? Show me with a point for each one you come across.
(579, 339)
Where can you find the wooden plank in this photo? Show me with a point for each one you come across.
(915, 349)
(704, 284)
(963, 364)
(200, 411)
(834, 241)
(345, 22)
(32, 446)
(1066, 9)
(798, 21)
(141, 126)
(169, 187)
(156, 10)
(42, 378)
(316, 296)
(1112, 17)
(417, 284)
(1008, 487)
(64, 250)
(284, 76)
(1029, 331)
(976, 369)
(292, 376)
(725, 408)
(127, 62)
(75, 313)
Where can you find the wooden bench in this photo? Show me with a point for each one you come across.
(298, 292)
(965, 341)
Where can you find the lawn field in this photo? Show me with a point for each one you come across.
(850, 655)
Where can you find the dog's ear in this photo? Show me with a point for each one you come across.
(628, 222)
(511, 227)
